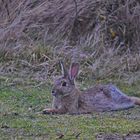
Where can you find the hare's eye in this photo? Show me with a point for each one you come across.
(64, 84)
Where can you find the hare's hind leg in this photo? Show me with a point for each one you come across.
(121, 100)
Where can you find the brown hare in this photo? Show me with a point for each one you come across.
(68, 99)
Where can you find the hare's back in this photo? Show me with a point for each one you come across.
(105, 98)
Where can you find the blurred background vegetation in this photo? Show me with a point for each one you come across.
(102, 35)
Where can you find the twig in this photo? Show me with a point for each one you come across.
(76, 12)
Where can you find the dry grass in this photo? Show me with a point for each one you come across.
(103, 35)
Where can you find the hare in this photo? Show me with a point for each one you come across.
(69, 99)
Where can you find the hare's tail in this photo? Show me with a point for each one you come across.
(136, 100)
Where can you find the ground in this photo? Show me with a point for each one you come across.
(20, 118)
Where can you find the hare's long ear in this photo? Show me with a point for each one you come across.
(63, 68)
(74, 70)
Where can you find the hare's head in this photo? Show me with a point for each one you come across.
(64, 85)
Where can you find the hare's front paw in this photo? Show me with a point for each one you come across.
(48, 111)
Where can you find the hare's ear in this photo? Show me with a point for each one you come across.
(74, 70)
(63, 69)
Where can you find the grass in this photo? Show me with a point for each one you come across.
(19, 118)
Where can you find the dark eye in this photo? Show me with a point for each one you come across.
(64, 84)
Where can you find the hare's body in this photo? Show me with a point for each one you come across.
(68, 99)
(103, 98)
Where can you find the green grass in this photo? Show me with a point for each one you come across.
(20, 118)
